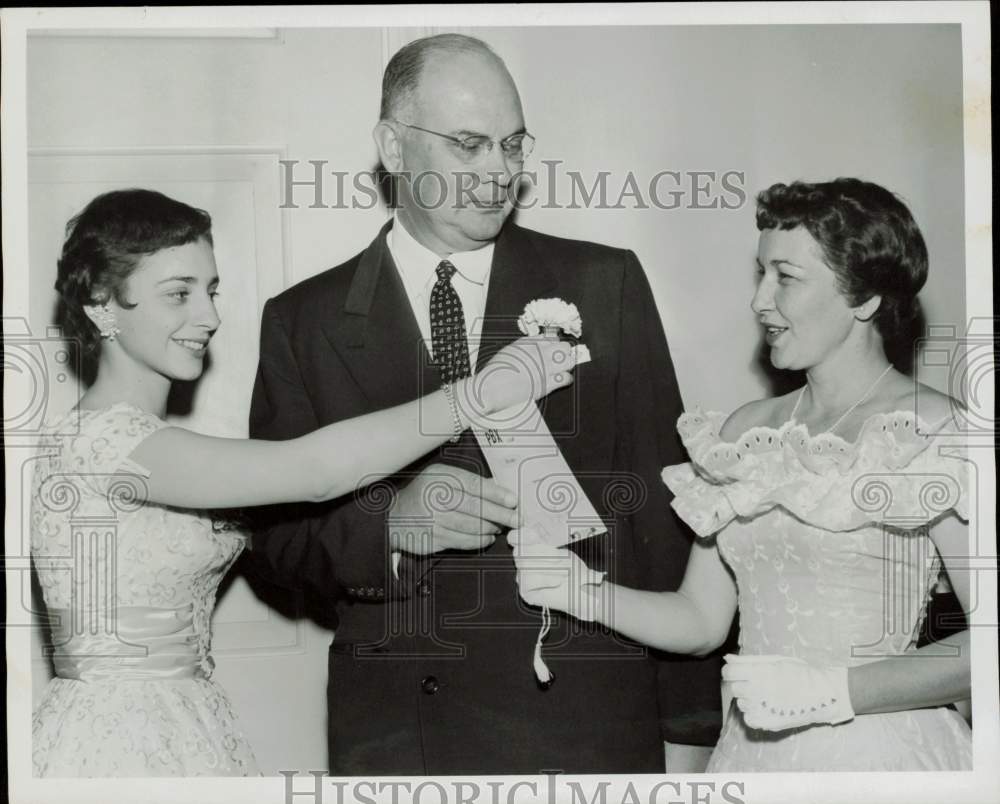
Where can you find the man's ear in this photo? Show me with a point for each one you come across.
(865, 311)
(390, 147)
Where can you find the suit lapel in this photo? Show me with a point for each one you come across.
(518, 275)
(377, 334)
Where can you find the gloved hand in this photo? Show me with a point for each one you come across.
(554, 576)
(783, 692)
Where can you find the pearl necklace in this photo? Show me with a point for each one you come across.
(851, 409)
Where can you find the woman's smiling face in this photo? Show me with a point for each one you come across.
(805, 316)
(174, 317)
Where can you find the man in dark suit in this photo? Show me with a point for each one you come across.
(431, 665)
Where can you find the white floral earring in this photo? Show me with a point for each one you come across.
(106, 323)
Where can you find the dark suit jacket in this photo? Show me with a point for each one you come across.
(432, 673)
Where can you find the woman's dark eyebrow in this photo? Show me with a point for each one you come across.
(191, 280)
(188, 279)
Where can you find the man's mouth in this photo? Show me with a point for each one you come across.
(489, 204)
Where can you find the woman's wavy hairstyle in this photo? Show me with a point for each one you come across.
(869, 240)
(103, 246)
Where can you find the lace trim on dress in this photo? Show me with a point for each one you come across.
(898, 471)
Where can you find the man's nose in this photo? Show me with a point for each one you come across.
(497, 167)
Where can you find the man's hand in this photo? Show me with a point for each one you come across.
(447, 508)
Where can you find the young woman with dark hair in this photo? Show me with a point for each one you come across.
(127, 556)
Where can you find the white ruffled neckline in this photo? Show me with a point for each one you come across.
(893, 438)
(888, 471)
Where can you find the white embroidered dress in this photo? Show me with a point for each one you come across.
(129, 589)
(829, 546)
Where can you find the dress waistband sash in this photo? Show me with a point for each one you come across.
(132, 643)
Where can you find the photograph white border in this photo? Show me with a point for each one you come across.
(980, 785)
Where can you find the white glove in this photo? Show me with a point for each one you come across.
(554, 576)
(783, 692)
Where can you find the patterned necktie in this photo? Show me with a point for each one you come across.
(448, 339)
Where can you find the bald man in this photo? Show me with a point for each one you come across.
(430, 671)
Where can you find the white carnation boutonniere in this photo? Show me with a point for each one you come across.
(550, 317)
(550, 314)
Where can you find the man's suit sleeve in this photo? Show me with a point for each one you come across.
(689, 698)
(329, 549)
(649, 402)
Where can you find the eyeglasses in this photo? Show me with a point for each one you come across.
(516, 147)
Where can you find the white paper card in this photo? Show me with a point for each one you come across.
(525, 458)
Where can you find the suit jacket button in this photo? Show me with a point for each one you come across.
(424, 589)
(430, 685)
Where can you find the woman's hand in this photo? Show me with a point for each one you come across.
(554, 576)
(523, 371)
(783, 692)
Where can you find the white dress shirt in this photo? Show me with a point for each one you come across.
(417, 267)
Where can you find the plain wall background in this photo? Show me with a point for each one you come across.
(774, 102)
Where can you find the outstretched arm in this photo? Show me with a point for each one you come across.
(190, 470)
(695, 619)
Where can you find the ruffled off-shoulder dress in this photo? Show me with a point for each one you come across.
(828, 541)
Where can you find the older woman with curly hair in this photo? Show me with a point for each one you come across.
(824, 515)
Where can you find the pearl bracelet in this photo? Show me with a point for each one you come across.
(449, 392)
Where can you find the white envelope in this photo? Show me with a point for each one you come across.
(524, 457)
